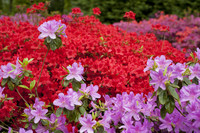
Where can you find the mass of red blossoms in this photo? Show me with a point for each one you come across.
(111, 60)
(130, 15)
(96, 11)
(36, 8)
(76, 10)
(160, 27)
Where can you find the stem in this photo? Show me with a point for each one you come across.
(7, 129)
(125, 33)
(180, 111)
(163, 41)
(21, 96)
(41, 73)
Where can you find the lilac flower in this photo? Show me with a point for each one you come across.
(1, 93)
(38, 103)
(73, 97)
(68, 101)
(166, 123)
(150, 64)
(39, 113)
(9, 130)
(41, 129)
(84, 89)
(158, 79)
(51, 29)
(178, 70)
(75, 72)
(48, 29)
(93, 91)
(7, 71)
(162, 62)
(28, 112)
(106, 119)
(87, 123)
(22, 130)
(190, 93)
(60, 125)
(198, 53)
(18, 68)
(195, 71)
(128, 123)
(63, 102)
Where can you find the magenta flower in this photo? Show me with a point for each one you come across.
(39, 113)
(75, 72)
(195, 71)
(87, 123)
(22, 130)
(93, 91)
(158, 79)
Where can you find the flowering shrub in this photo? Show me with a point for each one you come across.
(113, 61)
(183, 33)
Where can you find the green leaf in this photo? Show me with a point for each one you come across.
(100, 129)
(170, 105)
(187, 81)
(175, 86)
(11, 86)
(57, 131)
(173, 92)
(163, 97)
(82, 110)
(32, 84)
(76, 85)
(23, 86)
(66, 83)
(163, 112)
(195, 80)
(34, 126)
(4, 81)
(72, 115)
(30, 60)
(53, 43)
(27, 125)
(159, 91)
(59, 112)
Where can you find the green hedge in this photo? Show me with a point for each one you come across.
(113, 10)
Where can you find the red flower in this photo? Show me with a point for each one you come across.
(160, 27)
(76, 10)
(130, 15)
(96, 11)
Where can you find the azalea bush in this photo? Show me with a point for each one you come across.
(183, 33)
(82, 75)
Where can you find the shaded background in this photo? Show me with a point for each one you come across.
(112, 10)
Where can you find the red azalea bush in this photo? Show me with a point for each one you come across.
(113, 59)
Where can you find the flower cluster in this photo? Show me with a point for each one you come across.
(130, 15)
(184, 32)
(96, 11)
(36, 8)
(160, 27)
